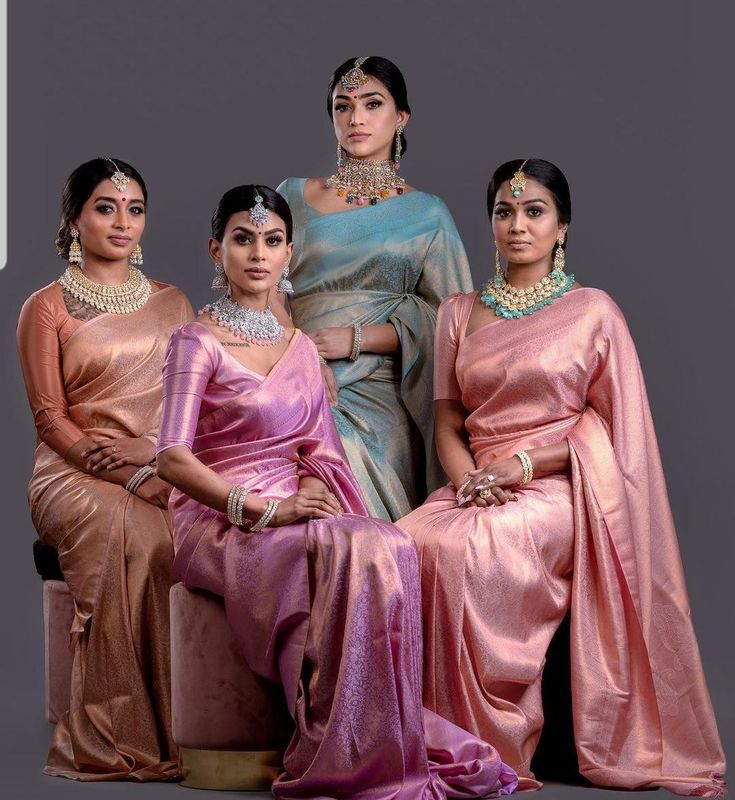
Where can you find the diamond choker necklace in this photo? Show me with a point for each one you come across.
(257, 327)
(361, 181)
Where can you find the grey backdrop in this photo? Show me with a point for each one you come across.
(625, 97)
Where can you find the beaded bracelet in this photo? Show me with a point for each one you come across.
(138, 478)
(356, 341)
(527, 465)
(268, 515)
(236, 504)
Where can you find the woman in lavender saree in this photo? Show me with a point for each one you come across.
(540, 400)
(269, 516)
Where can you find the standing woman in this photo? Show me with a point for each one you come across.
(373, 258)
(91, 346)
(267, 514)
(558, 500)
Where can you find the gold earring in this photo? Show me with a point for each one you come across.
(559, 260)
(136, 257)
(75, 249)
(397, 155)
(498, 268)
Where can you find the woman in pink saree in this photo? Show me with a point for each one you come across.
(558, 501)
(269, 516)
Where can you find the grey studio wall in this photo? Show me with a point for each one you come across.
(201, 96)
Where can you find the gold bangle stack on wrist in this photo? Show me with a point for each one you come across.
(268, 515)
(356, 341)
(236, 504)
(138, 478)
(527, 465)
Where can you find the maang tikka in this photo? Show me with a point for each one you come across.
(354, 78)
(518, 181)
(119, 179)
(258, 213)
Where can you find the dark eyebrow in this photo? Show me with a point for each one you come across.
(360, 97)
(524, 203)
(252, 230)
(115, 199)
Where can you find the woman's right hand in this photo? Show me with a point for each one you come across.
(331, 382)
(155, 491)
(317, 503)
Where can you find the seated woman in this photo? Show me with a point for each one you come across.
(267, 514)
(539, 399)
(91, 346)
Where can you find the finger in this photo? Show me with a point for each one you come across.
(99, 454)
(500, 495)
(105, 462)
(322, 506)
(121, 462)
(479, 502)
(476, 471)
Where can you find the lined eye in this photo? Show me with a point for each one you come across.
(341, 107)
(242, 238)
(534, 211)
(501, 212)
(274, 241)
(137, 210)
(373, 104)
(105, 208)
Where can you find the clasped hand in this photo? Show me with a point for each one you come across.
(333, 343)
(316, 503)
(113, 453)
(494, 481)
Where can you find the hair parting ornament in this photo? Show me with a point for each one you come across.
(119, 179)
(354, 78)
(258, 213)
(518, 181)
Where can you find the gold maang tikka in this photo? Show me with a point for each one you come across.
(119, 179)
(354, 78)
(518, 181)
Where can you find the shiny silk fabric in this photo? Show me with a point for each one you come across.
(391, 262)
(103, 378)
(497, 582)
(329, 608)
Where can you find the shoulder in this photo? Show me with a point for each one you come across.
(288, 188)
(48, 301)
(599, 311)
(433, 205)
(192, 337)
(456, 303)
(173, 295)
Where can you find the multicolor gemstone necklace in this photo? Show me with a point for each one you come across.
(362, 181)
(512, 303)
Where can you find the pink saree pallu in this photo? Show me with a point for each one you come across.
(497, 582)
(328, 608)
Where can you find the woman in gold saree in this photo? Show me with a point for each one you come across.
(91, 346)
(558, 501)
(373, 258)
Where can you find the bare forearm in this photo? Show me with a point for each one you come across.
(380, 338)
(454, 454)
(182, 469)
(310, 482)
(550, 459)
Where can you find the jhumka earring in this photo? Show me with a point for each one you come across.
(397, 155)
(75, 249)
(559, 259)
(518, 181)
(136, 257)
(284, 286)
(220, 279)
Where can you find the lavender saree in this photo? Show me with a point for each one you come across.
(498, 581)
(330, 608)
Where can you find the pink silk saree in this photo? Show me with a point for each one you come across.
(497, 582)
(328, 608)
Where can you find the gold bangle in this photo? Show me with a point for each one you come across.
(527, 465)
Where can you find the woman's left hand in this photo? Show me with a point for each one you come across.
(502, 475)
(113, 453)
(333, 343)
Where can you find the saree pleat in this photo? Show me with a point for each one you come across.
(497, 582)
(329, 608)
(389, 263)
(115, 550)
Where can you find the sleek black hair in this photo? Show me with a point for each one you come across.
(546, 173)
(242, 198)
(383, 70)
(78, 189)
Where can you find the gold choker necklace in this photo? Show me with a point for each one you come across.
(122, 299)
(361, 181)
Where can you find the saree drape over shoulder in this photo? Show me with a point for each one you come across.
(393, 262)
(497, 582)
(103, 378)
(330, 608)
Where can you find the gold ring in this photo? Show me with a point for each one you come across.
(485, 493)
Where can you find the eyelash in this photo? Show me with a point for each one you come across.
(108, 209)
(533, 212)
(273, 241)
(372, 105)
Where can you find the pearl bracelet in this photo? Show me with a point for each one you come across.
(138, 478)
(356, 341)
(527, 465)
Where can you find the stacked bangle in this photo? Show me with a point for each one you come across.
(268, 515)
(356, 341)
(138, 478)
(323, 360)
(526, 464)
(236, 504)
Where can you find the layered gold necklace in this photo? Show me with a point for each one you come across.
(121, 299)
(362, 181)
(512, 303)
